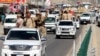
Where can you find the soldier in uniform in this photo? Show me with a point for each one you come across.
(40, 21)
(29, 21)
(19, 22)
(64, 15)
(70, 15)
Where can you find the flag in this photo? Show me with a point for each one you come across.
(13, 7)
(48, 3)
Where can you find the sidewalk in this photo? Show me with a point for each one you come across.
(94, 46)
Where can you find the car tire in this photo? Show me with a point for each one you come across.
(74, 37)
(57, 37)
(54, 31)
(44, 53)
(5, 32)
(77, 28)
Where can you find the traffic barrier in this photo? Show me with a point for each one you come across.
(84, 46)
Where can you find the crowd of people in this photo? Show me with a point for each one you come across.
(32, 22)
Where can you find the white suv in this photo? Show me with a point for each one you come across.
(9, 22)
(65, 27)
(50, 23)
(85, 18)
(24, 42)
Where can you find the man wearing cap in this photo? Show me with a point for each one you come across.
(19, 22)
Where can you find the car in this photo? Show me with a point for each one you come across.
(65, 27)
(98, 21)
(56, 12)
(24, 42)
(50, 23)
(85, 18)
(33, 11)
(43, 11)
(9, 22)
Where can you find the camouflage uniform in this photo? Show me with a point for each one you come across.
(40, 21)
(29, 21)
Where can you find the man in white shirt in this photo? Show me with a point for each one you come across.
(19, 22)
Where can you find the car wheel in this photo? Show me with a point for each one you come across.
(57, 37)
(44, 53)
(74, 37)
(54, 31)
(77, 28)
(5, 32)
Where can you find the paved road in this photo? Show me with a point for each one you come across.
(58, 47)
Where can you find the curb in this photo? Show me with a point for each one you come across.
(84, 46)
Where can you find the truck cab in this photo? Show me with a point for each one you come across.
(24, 42)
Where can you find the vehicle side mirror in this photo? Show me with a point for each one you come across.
(2, 38)
(43, 39)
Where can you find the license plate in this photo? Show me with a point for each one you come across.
(20, 55)
(84, 22)
(48, 29)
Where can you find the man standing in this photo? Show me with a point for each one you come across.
(64, 15)
(29, 22)
(19, 22)
(40, 21)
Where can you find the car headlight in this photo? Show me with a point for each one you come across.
(37, 47)
(5, 47)
(59, 28)
(71, 29)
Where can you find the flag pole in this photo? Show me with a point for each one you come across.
(25, 9)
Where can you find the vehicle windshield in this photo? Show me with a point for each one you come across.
(10, 20)
(23, 35)
(42, 10)
(55, 12)
(50, 20)
(31, 12)
(68, 23)
(85, 15)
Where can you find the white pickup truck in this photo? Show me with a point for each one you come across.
(9, 22)
(65, 27)
(24, 42)
(50, 23)
(85, 18)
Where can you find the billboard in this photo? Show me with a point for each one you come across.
(12, 1)
(6, 1)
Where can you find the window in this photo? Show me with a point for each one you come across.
(23, 35)
(10, 20)
(55, 12)
(85, 14)
(66, 23)
(50, 19)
